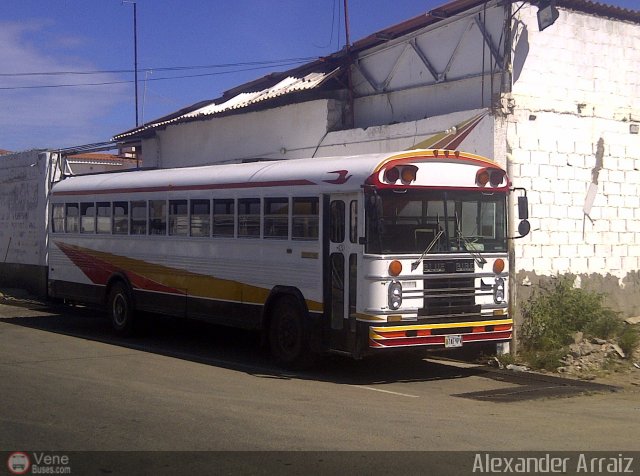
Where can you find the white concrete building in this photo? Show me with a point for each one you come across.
(560, 108)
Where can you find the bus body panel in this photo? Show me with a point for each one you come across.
(448, 295)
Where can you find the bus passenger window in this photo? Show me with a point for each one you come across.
(223, 217)
(120, 218)
(87, 217)
(178, 218)
(103, 224)
(305, 218)
(138, 218)
(276, 218)
(157, 217)
(72, 213)
(201, 218)
(249, 217)
(57, 222)
(336, 231)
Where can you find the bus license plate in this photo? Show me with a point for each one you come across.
(453, 341)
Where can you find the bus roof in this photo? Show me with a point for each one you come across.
(329, 174)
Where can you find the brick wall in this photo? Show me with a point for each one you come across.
(577, 96)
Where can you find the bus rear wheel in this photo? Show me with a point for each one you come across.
(121, 311)
(289, 335)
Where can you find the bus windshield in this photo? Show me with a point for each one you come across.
(412, 221)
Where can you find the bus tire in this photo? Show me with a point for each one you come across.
(121, 309)
(289, 335)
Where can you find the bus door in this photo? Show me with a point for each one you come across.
(341, 266)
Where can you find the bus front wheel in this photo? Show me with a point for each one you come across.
(288, 335)
(121, 309)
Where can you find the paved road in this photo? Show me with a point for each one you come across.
(68, 384)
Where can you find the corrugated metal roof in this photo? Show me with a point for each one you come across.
(242, 100)
(313, 75)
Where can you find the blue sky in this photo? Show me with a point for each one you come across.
(96, 36)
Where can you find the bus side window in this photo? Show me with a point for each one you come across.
(57, 222)
(276, 218)
(120, 218)
(201, 218)
(157, 217)
(178, 217)
(87, 217)
(72, 214)
(249, 218)
(305, 218)
(223, 217)
(138, 218)
(103, 224)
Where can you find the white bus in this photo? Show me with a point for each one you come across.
(352, 254)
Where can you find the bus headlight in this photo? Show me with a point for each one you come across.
(395, 295)
(498, 291)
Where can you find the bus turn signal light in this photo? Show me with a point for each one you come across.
(395, 268)
(498, 266)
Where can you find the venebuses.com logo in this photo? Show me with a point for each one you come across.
(18, 463)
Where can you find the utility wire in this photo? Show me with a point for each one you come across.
(105, 83)
(286, 61)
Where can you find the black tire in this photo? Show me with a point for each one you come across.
(121, 310)
(289, 335)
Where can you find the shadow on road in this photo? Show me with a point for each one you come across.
(241, 350)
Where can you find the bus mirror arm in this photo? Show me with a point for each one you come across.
(523, 214)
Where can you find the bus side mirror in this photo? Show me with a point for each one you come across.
(523, 208)
(524, 228)
(523, 214)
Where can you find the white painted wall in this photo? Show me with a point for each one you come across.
(286, 132)
(575, 84)
(23, 205)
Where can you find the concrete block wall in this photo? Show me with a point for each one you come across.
(577, 100)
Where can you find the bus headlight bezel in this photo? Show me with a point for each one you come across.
(498, 291)
(395, 295)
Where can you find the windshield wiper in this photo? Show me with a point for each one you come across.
(468, 246)
(416, 263)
